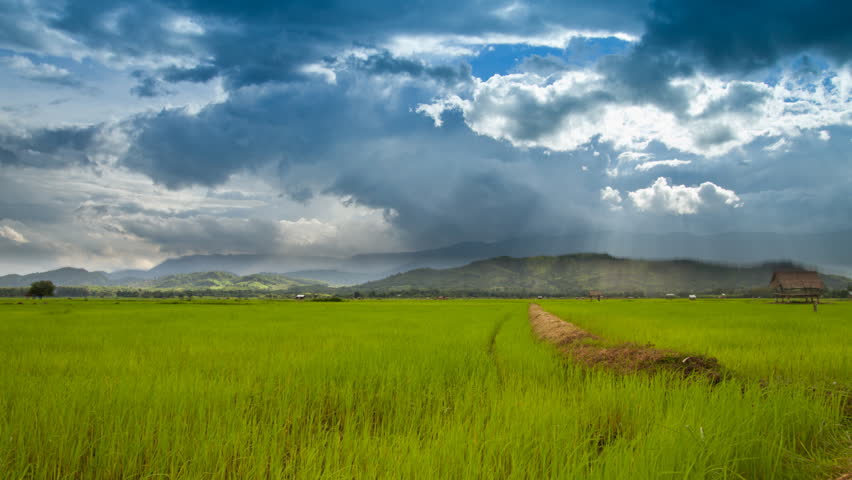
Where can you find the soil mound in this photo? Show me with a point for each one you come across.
(623, 358)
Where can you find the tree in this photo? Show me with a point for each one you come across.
(41, 289)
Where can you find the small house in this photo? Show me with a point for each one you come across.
(300, 297)
(693, 297)
(788, 285)
(595, 294)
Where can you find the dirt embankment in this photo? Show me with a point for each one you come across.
(591, 350)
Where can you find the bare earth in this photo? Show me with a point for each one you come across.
(623, 358)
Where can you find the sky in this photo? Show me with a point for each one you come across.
(132, 132)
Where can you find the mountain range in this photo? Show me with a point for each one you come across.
(829, 252)
(576, 274)
(502, 276)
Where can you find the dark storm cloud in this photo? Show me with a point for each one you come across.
(293, 124)
(299, 193)
(55, 139)
(49, 147)
(126, 29)
(148, 86)
(204, 233)
(337, 140)
(740, 98)
(439, 16)
(385, 63)
(531, 119)
(730, 35)
(251, 43)
(178, 149)
(250, 130)
(684, 37)
(642, 78)
(7, 157)
(199, 74)
(716, 135)
(542, 65)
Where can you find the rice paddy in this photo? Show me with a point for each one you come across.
(413, 389)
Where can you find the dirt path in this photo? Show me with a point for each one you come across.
(591, 350)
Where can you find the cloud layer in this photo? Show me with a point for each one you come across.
(134, 131)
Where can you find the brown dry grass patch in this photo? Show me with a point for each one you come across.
(623, 358)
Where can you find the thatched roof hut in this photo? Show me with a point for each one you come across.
(593, 294)
(798, 284)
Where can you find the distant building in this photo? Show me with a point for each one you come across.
(300, 297)
(595, 294)
(693, 297)
(797, 284)
(670, 295)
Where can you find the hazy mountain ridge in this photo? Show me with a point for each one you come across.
(828, 251)
(575, 274)
(556, 275)
(61, 276)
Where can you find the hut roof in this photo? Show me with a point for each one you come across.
(595, 293)
(793, 280)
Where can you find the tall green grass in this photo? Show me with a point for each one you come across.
(368, 389)
(757, 338)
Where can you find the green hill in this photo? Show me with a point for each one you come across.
(576, 274)
(223, 281)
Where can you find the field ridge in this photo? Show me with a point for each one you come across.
(591, 350)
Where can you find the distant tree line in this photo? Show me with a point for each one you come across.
(124, 292)
(355, 293)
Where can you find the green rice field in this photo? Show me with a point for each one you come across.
(415, 389)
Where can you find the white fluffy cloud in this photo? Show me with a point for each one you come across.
(681, 199)
(612, 198)
(564, 111)
(644, 167)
